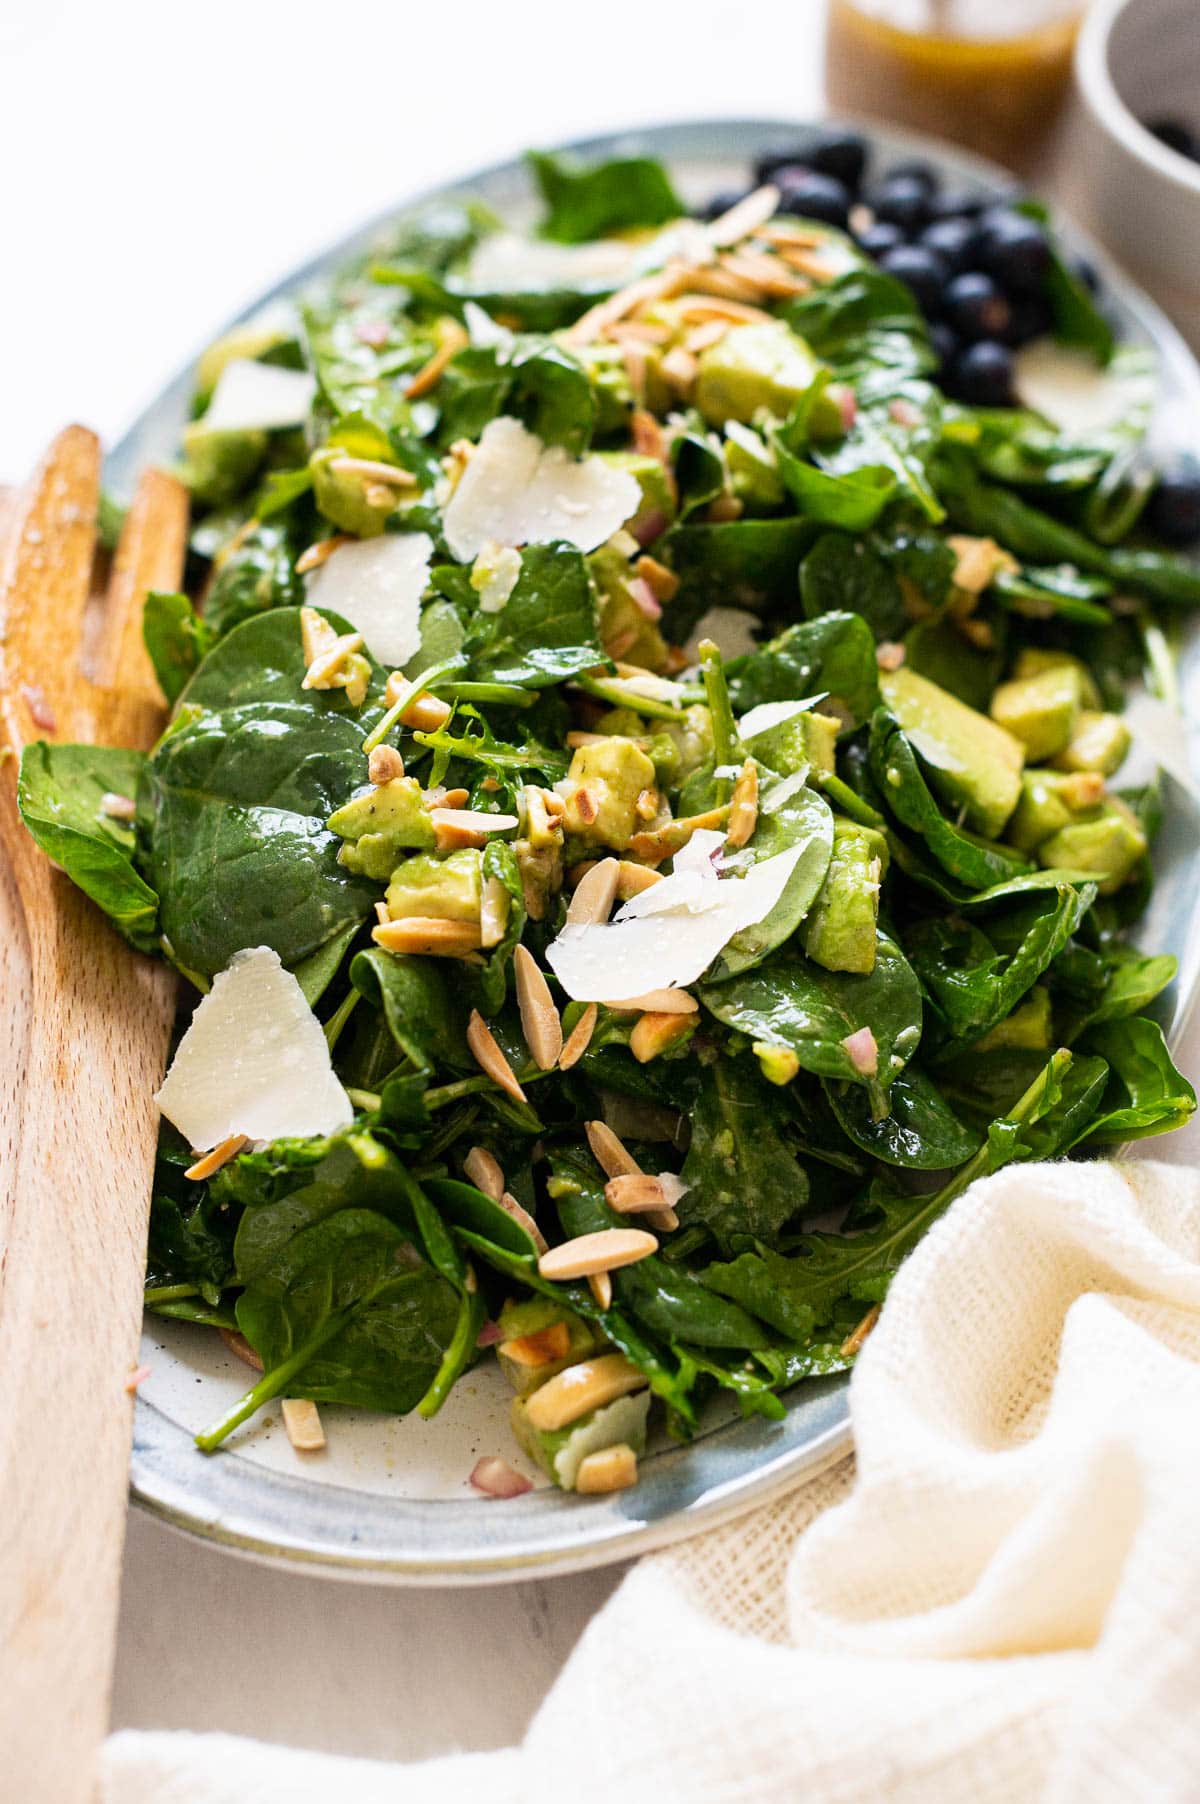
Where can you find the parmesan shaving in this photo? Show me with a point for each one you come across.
(516, 491)
(508, 262)
(254, 1061)
(1075, 393)
(257, 397)
(377, 585)
(773, 714)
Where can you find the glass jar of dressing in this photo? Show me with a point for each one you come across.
(990, 74)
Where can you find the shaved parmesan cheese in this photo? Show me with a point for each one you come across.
(257, 397)
(1162, 733)
(1074, 392)
(647, 687)
(704, 845)
(517, 492)
(773, 714)
(254, 1061)
(485, 331)
(732, 630)
(377, 585)
(650, 948)
(507, 262)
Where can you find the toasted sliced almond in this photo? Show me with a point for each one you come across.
(317, 554)
(611, 1154)
(665, 841)
(455, 827)
(539, 1349)
(539, 1018)
(769, 274)
(609, 1469)
(853, 1341)
(702, 337)
(384, 764)
(605, 1251)
(663, 581)
(303, 1424)
(453, 338)
(391, 476)
(705, 308)
(316, 634)
(575, 739)
(326, 670)
(647, 434)
(679, 369)
(220, 1155)
(596, 321)
(519, 1213)
(600, 1285)
(579, 1038)
(425, 713)
(489, 1058)
(429, 935)
(745, 216)
(659, 1002)
(484, 1171)
(381, 913)
(594, 895)
(807, 262)
(743, 813)
(584, 1387)
(634, 1193)
(555, 804)
(655, 1033)
(240, 1346)
(493, 912)
(639, 331)
(890, 654)
(632, 879)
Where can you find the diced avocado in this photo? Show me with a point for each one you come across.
(692, 736)
(752, 468)
(1041, 710)
(450, 888)
(1036, 658)
(606, 780)
(804, 741)
(1107, 842)
(778, 1064)
(972, 763)
(1049, 800)
(380, 823)
(247, 340)
(608, 380)
(625, 631)
(1029, 1028)
(765, 365)
(656, 510)
(342, 496)
(841, 931)
(522, 1322)
(218, 465)
(1098, 742)
(560, 1451)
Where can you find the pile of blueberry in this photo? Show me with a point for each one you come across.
(977, 269)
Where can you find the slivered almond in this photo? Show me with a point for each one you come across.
(679, 368)
(725, 507)
(493, 912)
(241, 1348)
(316, 634)
(384, 764)
(703, 308)
(636, 363)
(655, 1033)
(807, 262)
(325, 670)
(539, 1018)
(484, 1171)
(855, 1339)
(743, 812)
(586, 1386)
(600, 1285)
(554, 803)
(429, 935)
(596, 321)
(663, 582)
(639, 331)
(585, 804)
(659, 1002)
(744, 217)
(634, 1193)
(539, 1349)
(579, 1038)
(519, 1213)
(593, 898)
(727, 286)
(664, 842)
(425, 713)
(609, 1469)
(302, 1420)
(782, 231)
(317, 554)
(489, 1058)
(632, 879)
(705, 335)
(575, 739)
(220, 1155)
(769, 274)
(454, 827)
(381, 913)
(453, 338)
(647, 434)
(390, 475)
(611, 1154)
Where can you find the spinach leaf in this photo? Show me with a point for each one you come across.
(532, 378)
(738, 563)
(362, 382)
(256, 573)
(802, 819)
(546, 631)
(863, 320)
(60, 793)
(920, 1133)
(841, 572)
(1145, 1094)
(262, 660)
(585, 202)
(176, 639)
(315, 973)
(743, 1178)
(425, 1013)
(852, 498)
(500, 862)
(834, 653)
(794, 1003)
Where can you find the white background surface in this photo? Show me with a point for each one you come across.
(163, 165)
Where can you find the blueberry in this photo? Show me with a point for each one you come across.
(721, 203)
(876, 239)
(922, 269)
(982, 375)
(1031, 316)
(1173, 512)
(812, 196)
(954, 240)
(945, 344)
(1014, 250)
(1177, 137)
(918, 171)
(975, 306)
(956, 203)
(838, 153)
(904, 203)
(766, 165)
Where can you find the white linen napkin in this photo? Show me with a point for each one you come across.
(1001, 1606)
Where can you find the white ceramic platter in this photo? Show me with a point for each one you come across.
(389, 1499)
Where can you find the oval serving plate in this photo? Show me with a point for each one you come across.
(389, 1500)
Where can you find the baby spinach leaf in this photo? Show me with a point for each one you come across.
(851, 498)
(315, 973)
(862, 320)
(1145, 1094)
(423, 1010)
(589, 201)
(176, 638)
(845, 573)
(532, 378)
(257, 573)
(920, 1133)
(60, 792)
(803, 819)
(748, 564)
(546, 631)
(1130, 982)
(743, 1179)
(362, 381)
(833, 653)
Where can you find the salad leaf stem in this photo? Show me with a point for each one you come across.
(272, 1383)
(716, 692)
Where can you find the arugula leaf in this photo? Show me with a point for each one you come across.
(743, 1179)
(546, 630)
(834, 653)
(60, 792)
(589, 202)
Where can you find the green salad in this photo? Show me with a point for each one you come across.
(640, 820)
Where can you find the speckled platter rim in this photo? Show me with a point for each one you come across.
(299, 1523)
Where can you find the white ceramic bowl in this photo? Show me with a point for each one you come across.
(1139, 60)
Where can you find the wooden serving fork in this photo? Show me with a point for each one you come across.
(84, 1022)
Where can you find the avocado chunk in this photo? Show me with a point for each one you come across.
(342, 496)
(1107, 841)
(625, 632)
(218, 465)
(539, 1324)
(245, 341)
(1099, 742)
(841, 931)
(606, 780)
(765, 366)
(380, 823)
(1034, 659)
(656, 510)
(560, 1451)
(609, 382)
(449, 889)
(1040, 711)
(1028, 1029)
(972, 763)
(1049, 800)
(752, 468)
(804, 741)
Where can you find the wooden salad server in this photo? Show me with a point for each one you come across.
(84, 1026)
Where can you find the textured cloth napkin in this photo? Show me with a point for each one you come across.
(1001, 1604)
